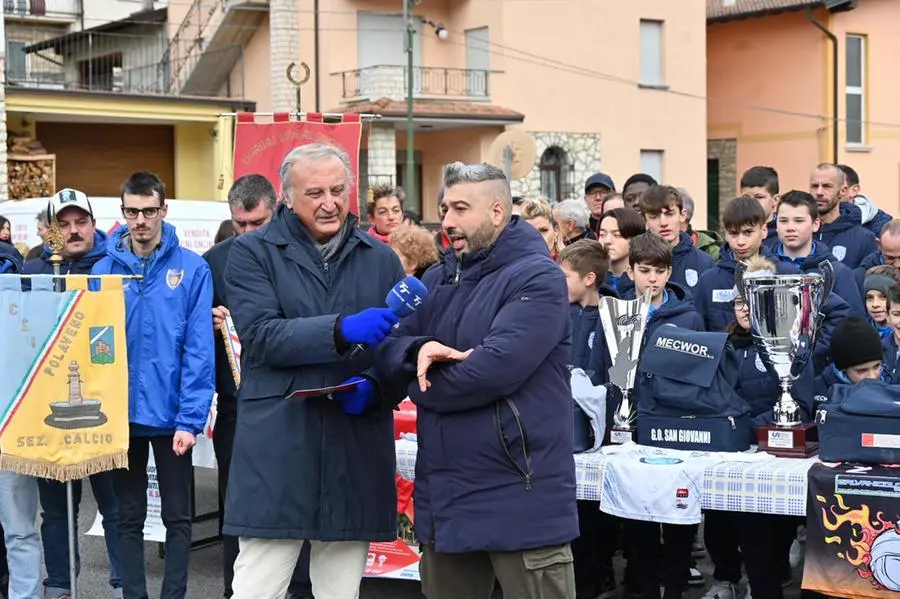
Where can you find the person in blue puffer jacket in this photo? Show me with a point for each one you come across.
(171, 375)
(761, 541)
(841, 228)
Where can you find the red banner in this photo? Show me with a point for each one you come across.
(260, 146)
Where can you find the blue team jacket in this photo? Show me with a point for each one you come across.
(849, 241)
(844, 280)
(168, 326)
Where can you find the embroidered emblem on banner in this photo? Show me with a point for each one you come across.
(103, 345)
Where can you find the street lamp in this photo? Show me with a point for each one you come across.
(442, 34)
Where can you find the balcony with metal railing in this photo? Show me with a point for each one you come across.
(43, 10)
(132, 62)
(374, 83)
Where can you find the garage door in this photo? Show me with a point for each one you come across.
(96, 158)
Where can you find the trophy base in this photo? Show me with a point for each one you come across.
(800, 441)
(619, 436)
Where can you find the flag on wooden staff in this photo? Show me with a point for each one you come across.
(232, 348)
(64, 393)
(262, 142)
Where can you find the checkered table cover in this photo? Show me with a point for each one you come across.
(773, 486)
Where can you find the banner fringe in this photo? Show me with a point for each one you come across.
(64, 472)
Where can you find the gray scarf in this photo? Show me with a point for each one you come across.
(330, 248)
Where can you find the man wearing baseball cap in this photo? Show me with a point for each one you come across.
(83, 247)
(596, 188)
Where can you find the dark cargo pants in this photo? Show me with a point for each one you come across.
(544, 573)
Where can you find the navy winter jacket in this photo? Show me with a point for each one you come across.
(678, 310)
(494, 470)
(771, 239)
(688, 263)
(10, 259)
(849, 241)
(889, 344)
(618, 285)
(761, 388)
(844, 282)
(584, 330)
(715, 292)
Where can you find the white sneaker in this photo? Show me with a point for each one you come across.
(796, 554)
(720, 590)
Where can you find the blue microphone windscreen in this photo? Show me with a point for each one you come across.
(406, 296)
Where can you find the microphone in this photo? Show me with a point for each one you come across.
(403, 299)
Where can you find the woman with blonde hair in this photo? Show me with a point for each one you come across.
(416, 248)
(539, 214)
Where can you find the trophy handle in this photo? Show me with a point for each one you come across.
(739, 269)
(827, 270)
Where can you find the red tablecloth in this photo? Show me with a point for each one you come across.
(404, 422)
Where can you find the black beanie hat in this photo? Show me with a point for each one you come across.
(854, 342)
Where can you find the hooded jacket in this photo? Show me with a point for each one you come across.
(169, 332)
(771, 239)
(494, 469)
(709, 242)
(849, 241)
(618, 285)
(873, 218)
(845, 284)
(688, 262)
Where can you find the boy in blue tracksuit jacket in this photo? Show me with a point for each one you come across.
(764, 541)
(650, 257)
(856, 355)
(841, 228)
(663, 209)
(797, 222)
(585, 264)
(171, 379)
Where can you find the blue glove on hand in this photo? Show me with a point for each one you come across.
(360, 399)
(370, 326)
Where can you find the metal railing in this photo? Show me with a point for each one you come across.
(109, 62)
(49, 9)
(377, 82)
(188, 39)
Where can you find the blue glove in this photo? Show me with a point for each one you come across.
(370, 326)
(360, 399)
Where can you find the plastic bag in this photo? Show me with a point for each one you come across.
(592, 401)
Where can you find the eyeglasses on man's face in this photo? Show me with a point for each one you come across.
(149, 213)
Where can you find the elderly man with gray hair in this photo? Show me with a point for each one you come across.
(574, 219)
(304, 292)
(486, 362)
(705, 241)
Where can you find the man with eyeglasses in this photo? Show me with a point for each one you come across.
(84, 246)
(171, 379)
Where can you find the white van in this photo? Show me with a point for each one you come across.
(195, 221)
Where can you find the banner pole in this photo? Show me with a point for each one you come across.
(56, 241)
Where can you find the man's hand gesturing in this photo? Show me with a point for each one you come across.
(433, 352)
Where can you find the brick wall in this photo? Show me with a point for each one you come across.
(284, 48)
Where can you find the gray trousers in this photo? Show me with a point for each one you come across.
(544, 573)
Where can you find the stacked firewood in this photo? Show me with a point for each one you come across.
(24, 145)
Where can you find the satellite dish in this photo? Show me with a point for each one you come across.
(513, 151)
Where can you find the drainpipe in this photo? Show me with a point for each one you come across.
(835, 89)
(316, 52)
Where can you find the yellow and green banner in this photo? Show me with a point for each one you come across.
(64, 388)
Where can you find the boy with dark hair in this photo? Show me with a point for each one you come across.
(650, 257)
(761, 184)
(585, 263)
(617, 228)
(663, 209)
(891, 343)
(879, 279)
(744, 223)
(797, 222)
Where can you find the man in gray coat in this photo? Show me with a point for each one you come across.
(306, 294)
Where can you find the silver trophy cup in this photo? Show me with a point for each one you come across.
(624, 323)
(784, 320)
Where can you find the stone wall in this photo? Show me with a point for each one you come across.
(583, 155)
(284, 48)
(725, 151)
